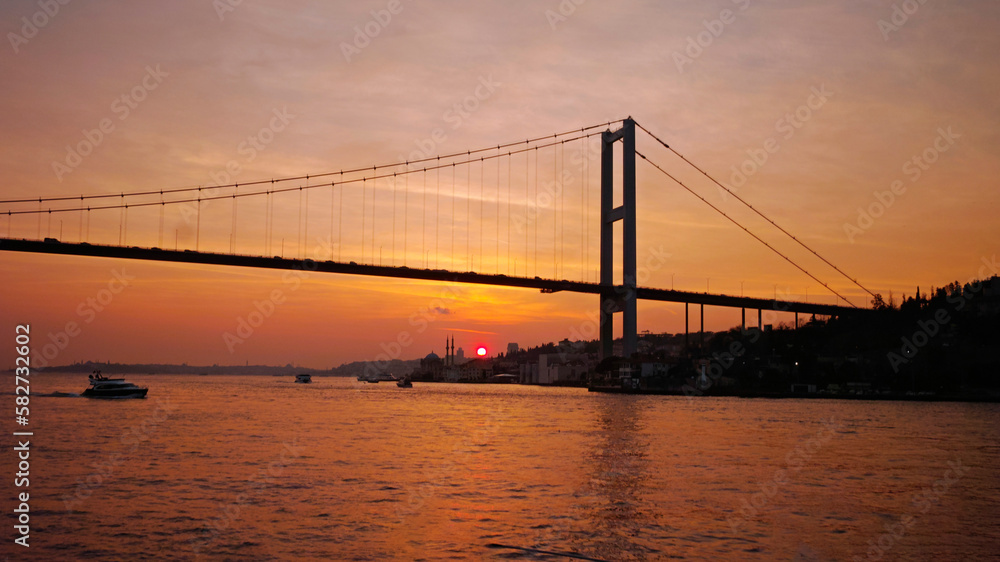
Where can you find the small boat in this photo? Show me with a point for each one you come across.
(103, 387)
(380, 377)
(303, 378)
(404, 383)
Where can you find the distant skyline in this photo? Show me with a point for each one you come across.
(867, 129)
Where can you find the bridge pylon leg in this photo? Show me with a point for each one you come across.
(618, 298)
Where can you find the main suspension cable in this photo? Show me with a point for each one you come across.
(324, 174)
(745, 229)
(754, 209)
(360, 180)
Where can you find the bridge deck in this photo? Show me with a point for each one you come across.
(351, 268)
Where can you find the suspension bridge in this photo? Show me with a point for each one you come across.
(521, 214)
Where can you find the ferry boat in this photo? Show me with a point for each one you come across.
(304, 377)
(404, 383)
(103, 387)
(380, 377)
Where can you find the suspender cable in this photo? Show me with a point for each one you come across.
(451, 259)
(333, 210)
(392, 252)
(562, 200)
(510, 186)
(437, 213)
(340, 223)
(468, 214)
(197, 236)
(496, 256)
(482, 183)
(305, 225)
(423, 221)
(527, 182)
(232, 234)
(159, 238)
(538, 213)
(583, 211)
(406, 210)
(298, 230)
(555, 211)
(121, 220)
(364, 217)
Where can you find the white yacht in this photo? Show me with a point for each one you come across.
(103, 387)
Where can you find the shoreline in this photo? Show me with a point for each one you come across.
(892, 397)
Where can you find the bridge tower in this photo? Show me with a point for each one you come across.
(618, 298)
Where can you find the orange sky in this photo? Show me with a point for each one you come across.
(198, 80)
